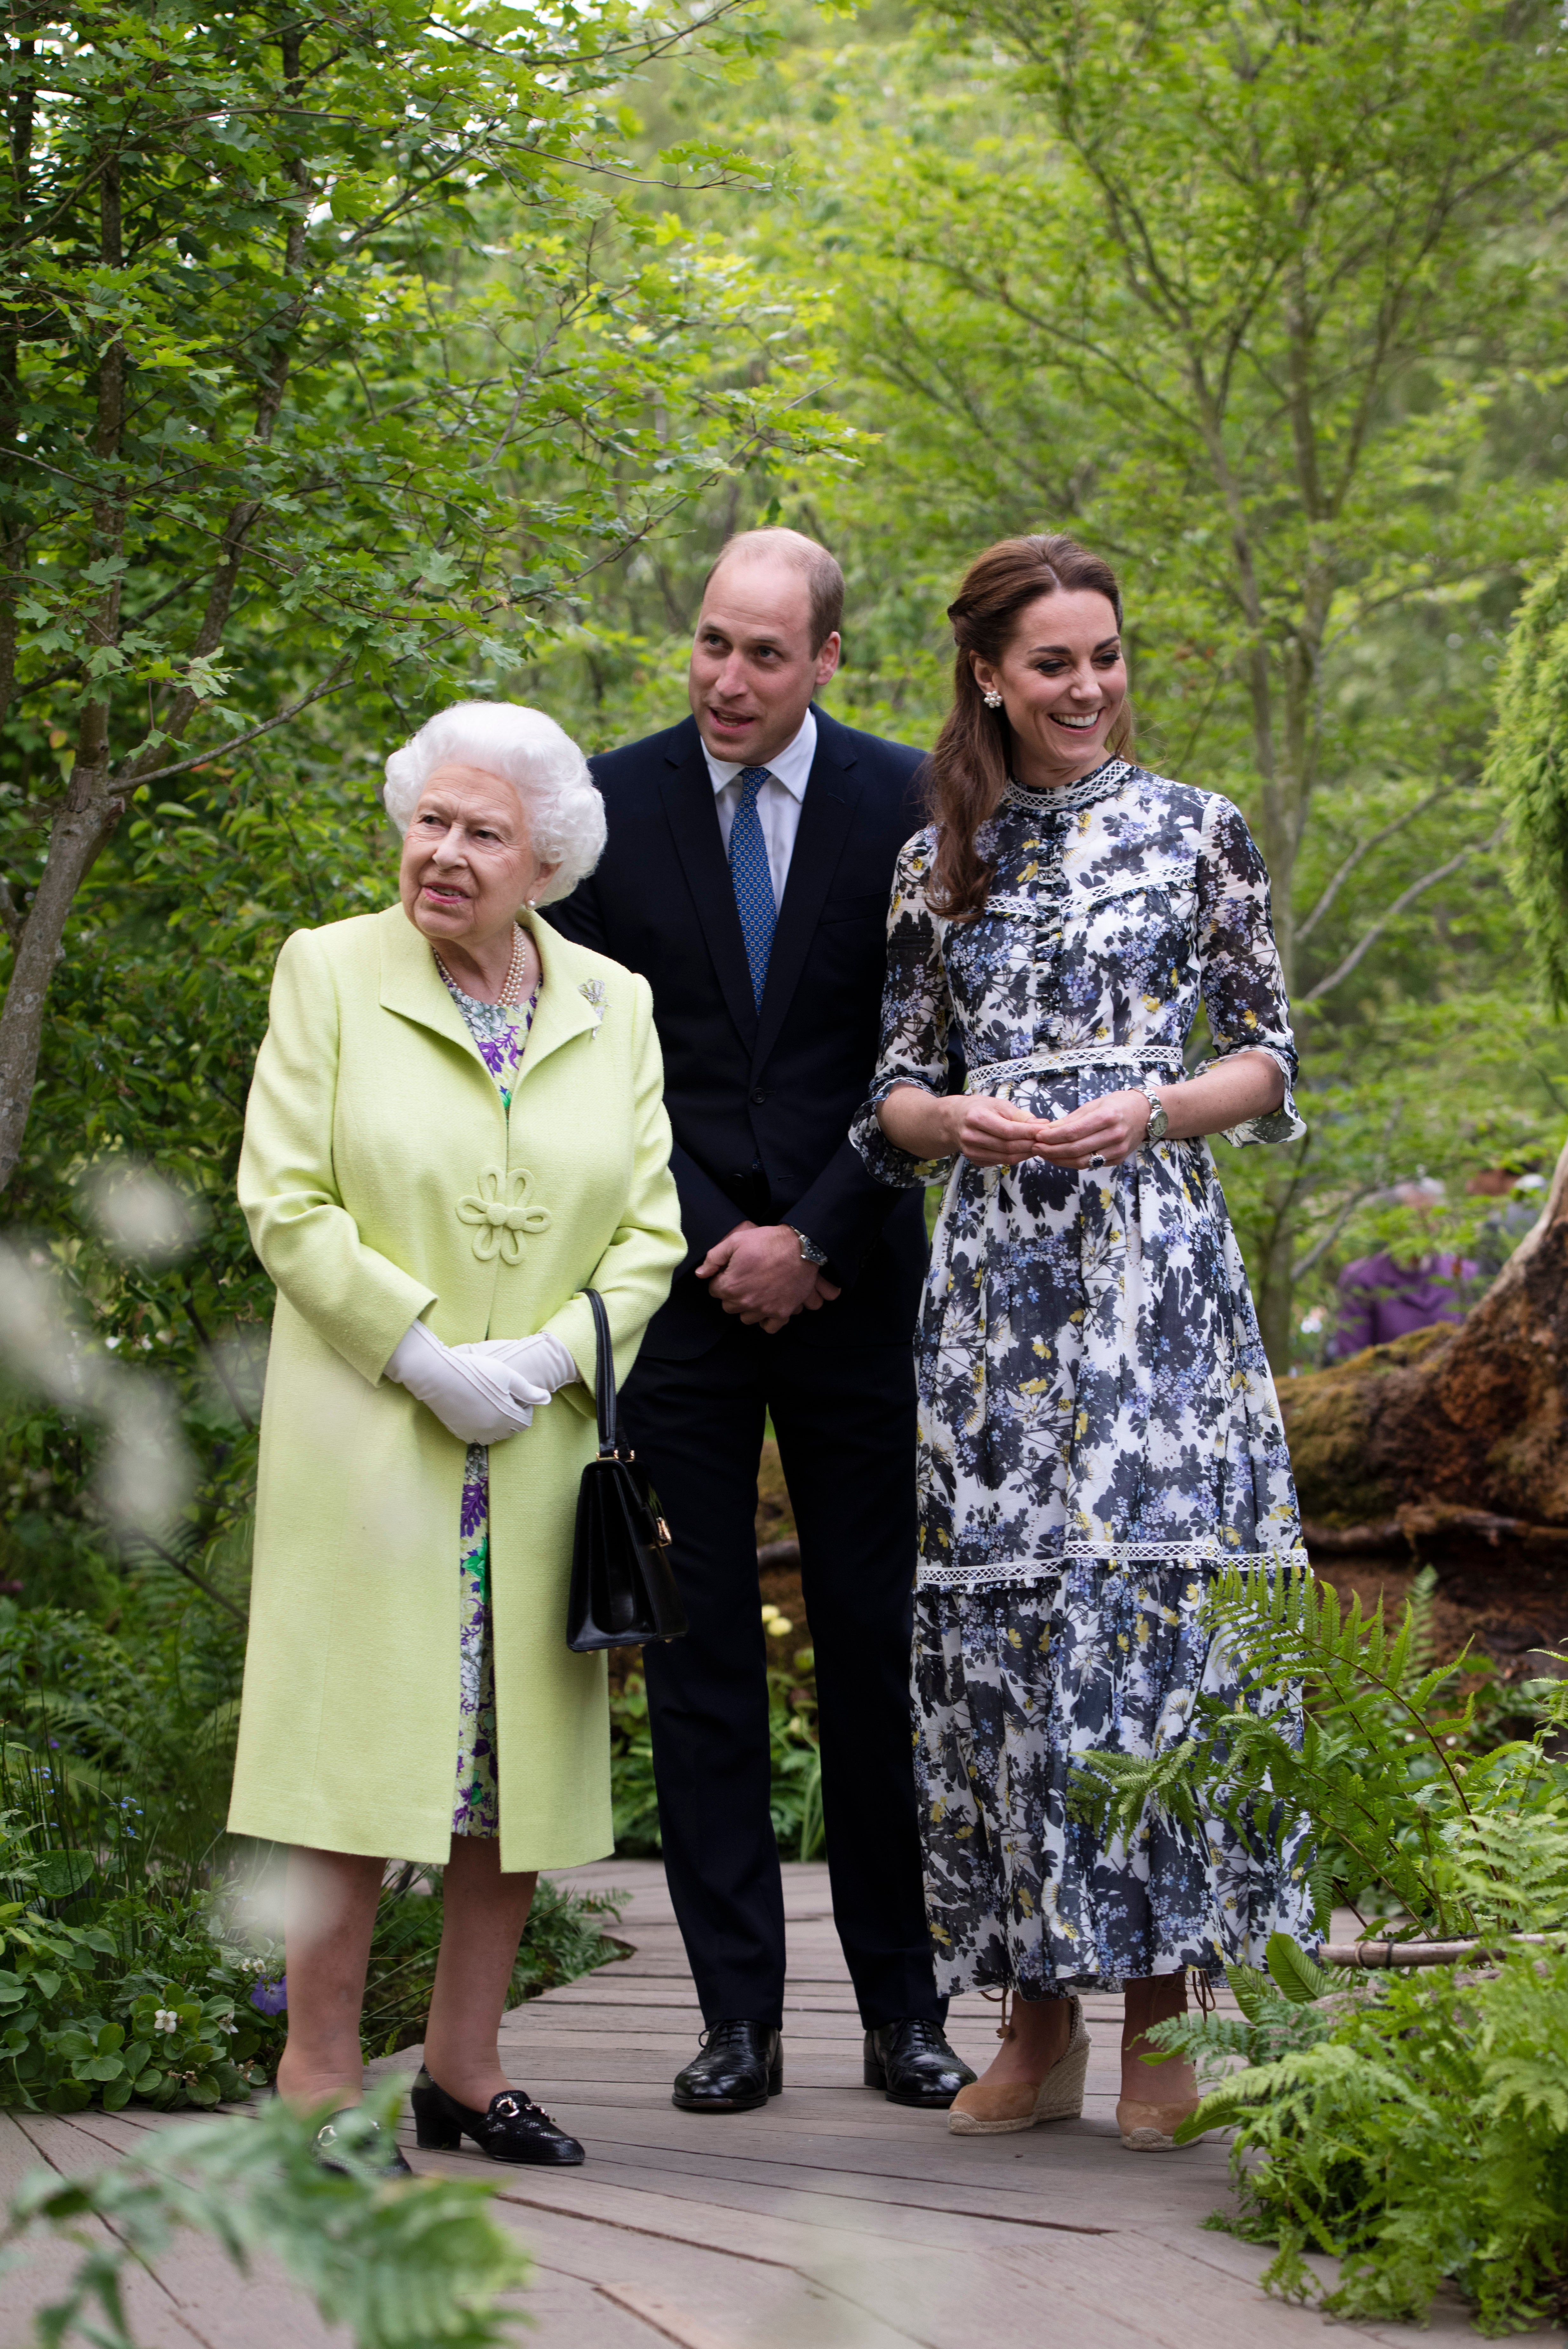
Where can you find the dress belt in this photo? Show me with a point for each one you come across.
(991, 1073)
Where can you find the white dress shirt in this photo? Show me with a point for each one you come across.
(778, 801)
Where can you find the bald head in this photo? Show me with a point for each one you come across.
(824, 580)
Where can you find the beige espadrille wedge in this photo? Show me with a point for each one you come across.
(988, 2109)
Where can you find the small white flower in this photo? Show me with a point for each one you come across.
(165, 2021)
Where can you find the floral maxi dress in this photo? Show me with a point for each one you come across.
(1098, 1428)
(500, 1033)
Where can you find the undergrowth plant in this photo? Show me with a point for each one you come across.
(111, 1988)
(1411, 2125)
(1416, 1819)
(404, 2264)
(795, 1765)
(128, 1970)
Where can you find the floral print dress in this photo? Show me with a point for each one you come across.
(1098, 1428)
(499, 1032)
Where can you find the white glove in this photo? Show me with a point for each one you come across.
(474, 1402)
(532, 1369)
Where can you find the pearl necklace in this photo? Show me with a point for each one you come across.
(511, 996)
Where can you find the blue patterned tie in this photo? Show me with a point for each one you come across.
(753, 879)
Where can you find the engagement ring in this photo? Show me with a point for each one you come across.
(1096, 1160)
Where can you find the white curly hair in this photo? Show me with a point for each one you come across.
(530, 751)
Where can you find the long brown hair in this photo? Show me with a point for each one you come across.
(968, 769)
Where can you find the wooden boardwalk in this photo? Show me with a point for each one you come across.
(830, 2220)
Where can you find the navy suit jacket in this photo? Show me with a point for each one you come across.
(760, 1100)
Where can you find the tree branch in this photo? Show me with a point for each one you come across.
(1369, 938)
(1363, 849)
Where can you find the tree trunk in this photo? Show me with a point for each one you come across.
(1276, 1280)
(97, 799)
(1455, 1439)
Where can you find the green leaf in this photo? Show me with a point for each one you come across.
(1297, 1976)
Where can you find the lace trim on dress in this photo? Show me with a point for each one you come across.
(1065, 798)
(1025, 1573)
(988, 1074)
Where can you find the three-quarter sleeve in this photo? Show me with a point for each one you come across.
(917, 1013)
(1243, 985)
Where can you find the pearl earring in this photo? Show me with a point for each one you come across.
(992, 698)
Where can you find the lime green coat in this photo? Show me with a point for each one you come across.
(382, 1179)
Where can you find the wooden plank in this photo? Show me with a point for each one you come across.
(192, 2296)
(831, 2220)
(155, 2315)
(795, 2313)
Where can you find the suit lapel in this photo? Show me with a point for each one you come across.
(686, 790)
(826, 814)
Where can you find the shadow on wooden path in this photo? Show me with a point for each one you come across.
(831, 2220)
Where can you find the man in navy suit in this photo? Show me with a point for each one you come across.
(747, 876)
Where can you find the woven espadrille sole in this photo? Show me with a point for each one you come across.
(1151, 2128)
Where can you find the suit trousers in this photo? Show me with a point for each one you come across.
(845, 1420)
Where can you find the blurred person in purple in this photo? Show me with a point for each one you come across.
(1381, 1299)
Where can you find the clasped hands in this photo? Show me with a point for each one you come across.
(993, 1133)
(486, 1391)
(757, 1271)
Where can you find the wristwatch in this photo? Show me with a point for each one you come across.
(1158, 1115)
(810, 1252)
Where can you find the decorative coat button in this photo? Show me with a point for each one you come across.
(500, 1209)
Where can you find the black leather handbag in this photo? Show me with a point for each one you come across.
(623, 1592)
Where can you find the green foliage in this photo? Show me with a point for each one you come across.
(1411, 1820)
(1530, 768)
(329, 350)
(157, 1716)
(402, 2265)
(1412, 2125)
(1417, 2131)
(796, 1794)
(127, 1962)
(1272, 312)
(1281, 2012)
(103, 1999)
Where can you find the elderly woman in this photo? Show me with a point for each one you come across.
(456, 1126)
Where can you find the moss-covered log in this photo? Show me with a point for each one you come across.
(1455, 1439)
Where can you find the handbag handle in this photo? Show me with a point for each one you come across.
(603, 1378)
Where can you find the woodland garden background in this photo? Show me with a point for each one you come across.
(357, 356)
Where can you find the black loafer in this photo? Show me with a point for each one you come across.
(385, 2154)
(914, 2064)
(512, 2130)
(740, 2065)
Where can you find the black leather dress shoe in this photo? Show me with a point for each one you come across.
(384, 2155)
(740, 2065)
(913, 2063)
(512, 2130)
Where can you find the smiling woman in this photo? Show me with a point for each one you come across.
(1099, 1427)
(456, 1125)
